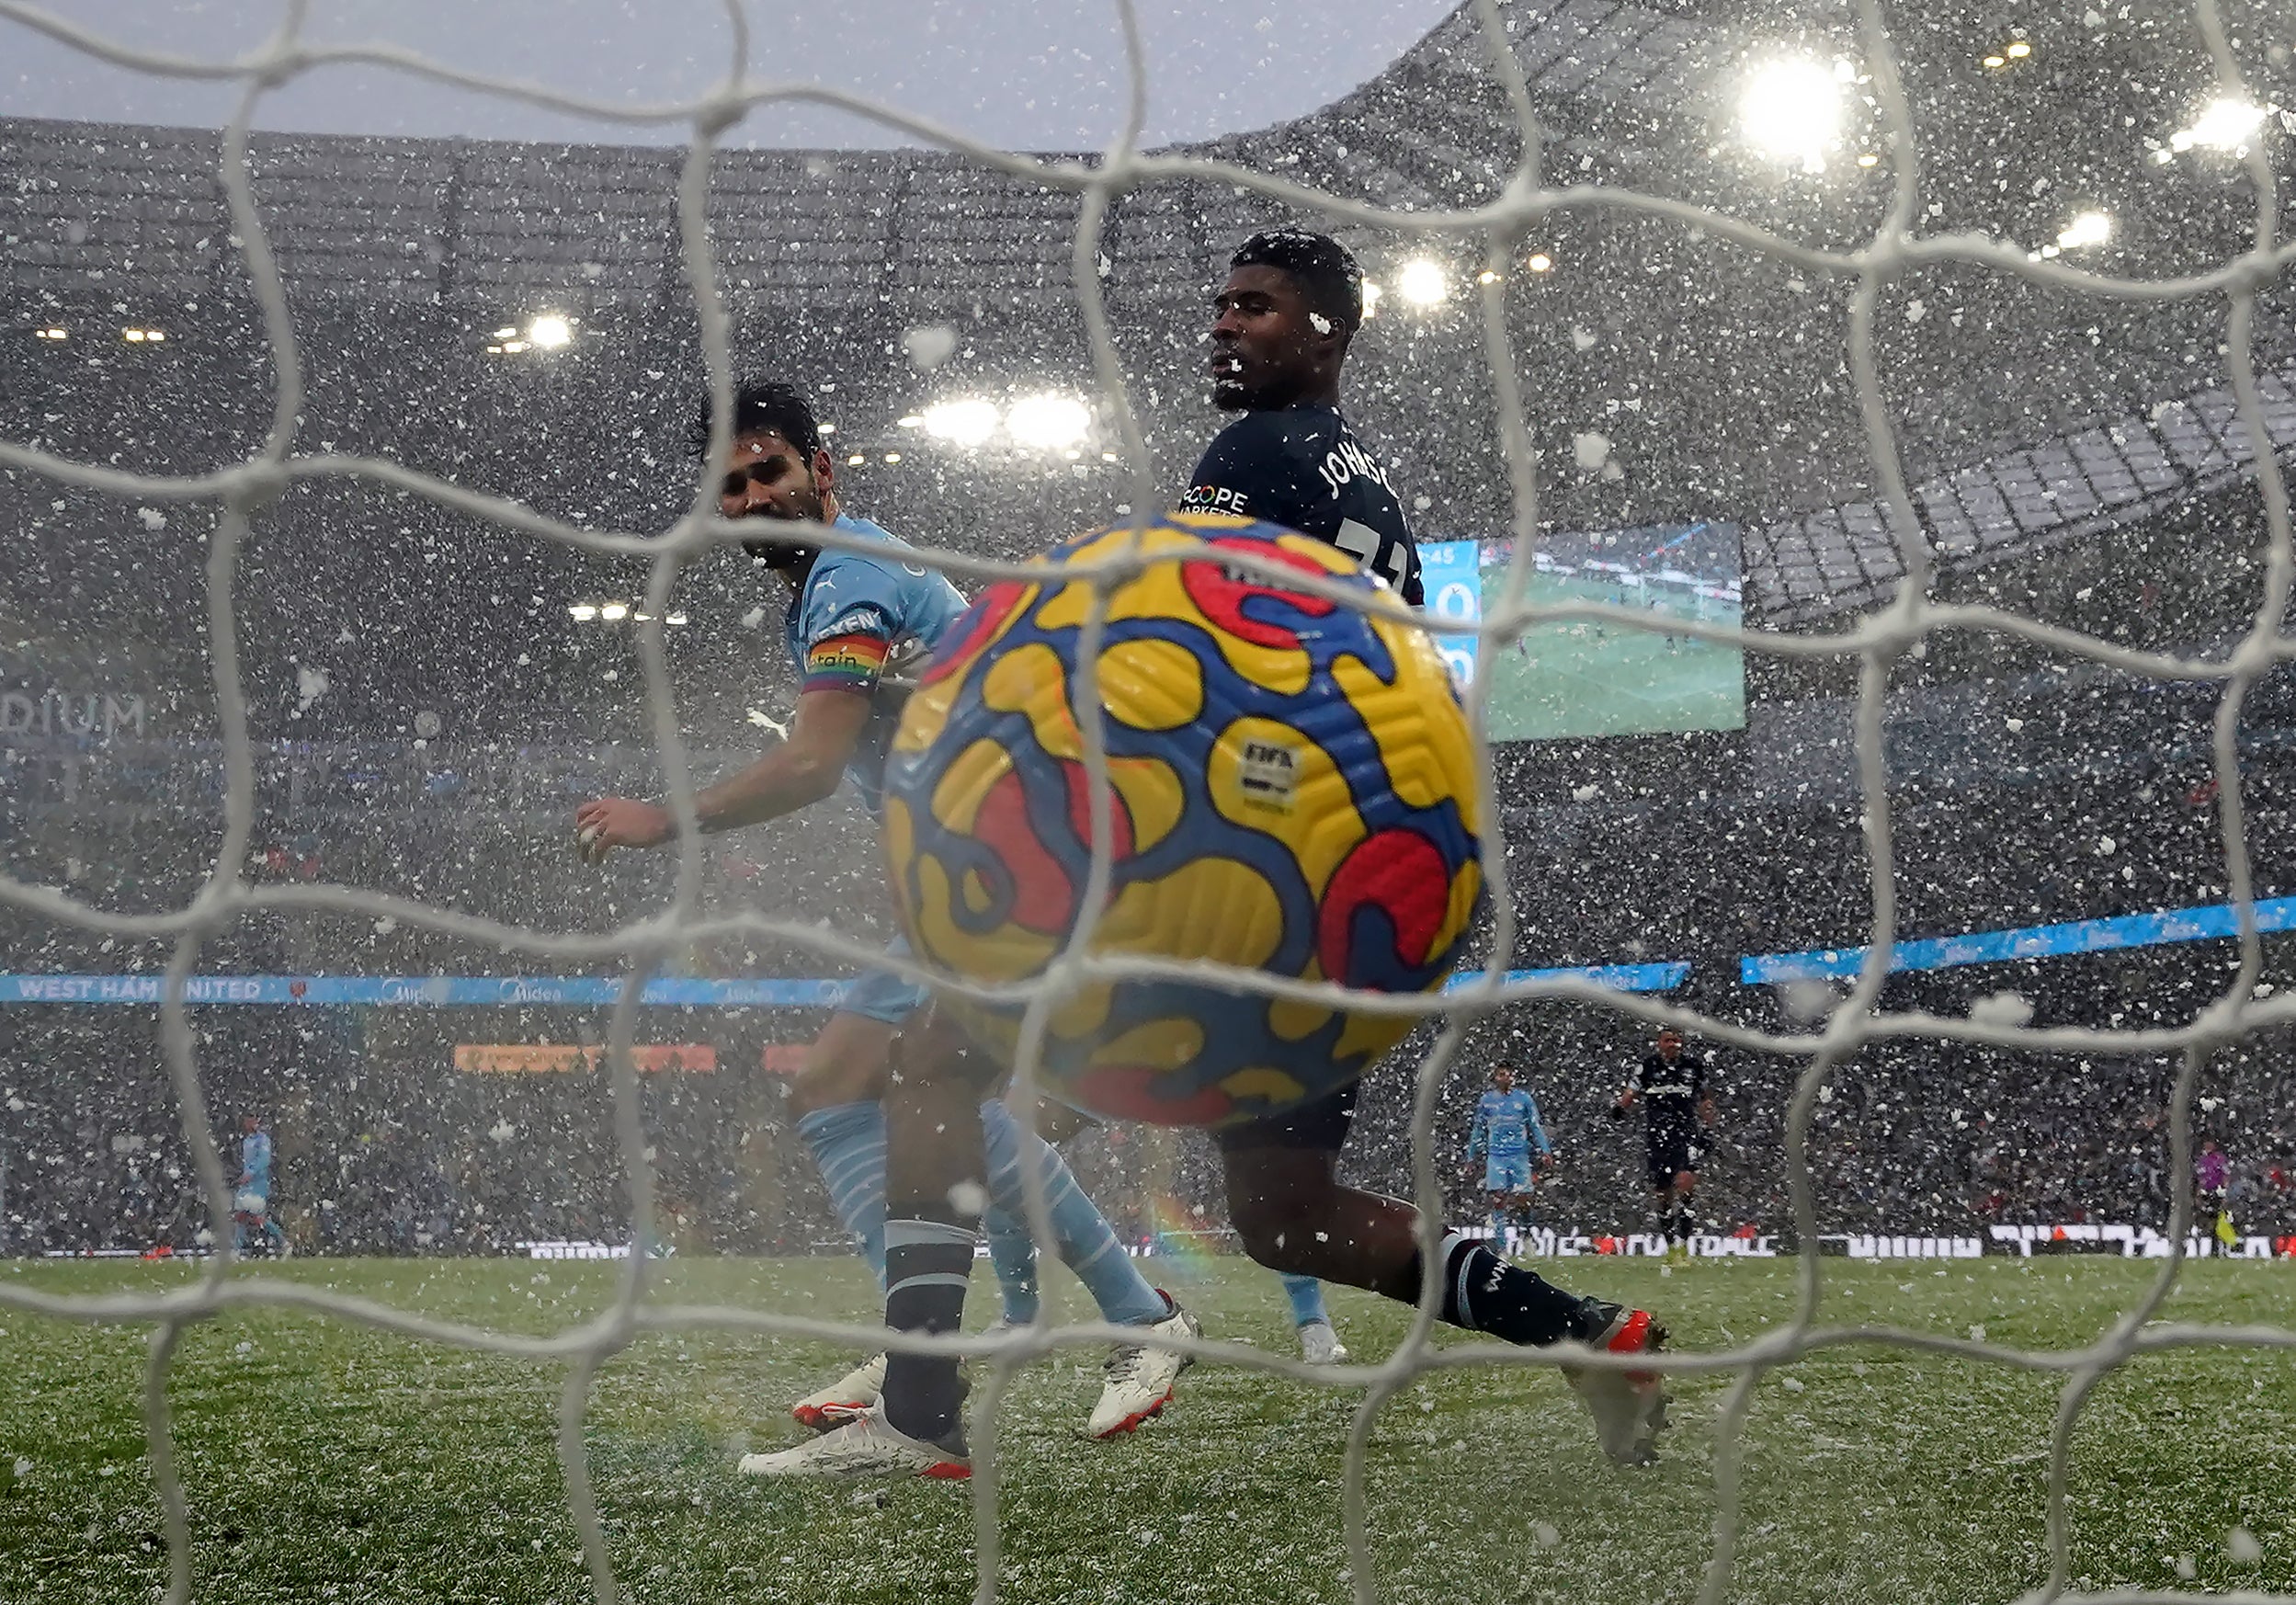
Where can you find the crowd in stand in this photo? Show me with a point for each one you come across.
(382, 1147)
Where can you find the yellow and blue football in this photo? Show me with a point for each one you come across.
(1292, 792)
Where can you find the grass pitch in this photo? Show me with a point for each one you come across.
(326, 1461)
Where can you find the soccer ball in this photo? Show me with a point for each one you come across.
(1292, 790)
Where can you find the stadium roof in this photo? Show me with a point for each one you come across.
(1669, 372)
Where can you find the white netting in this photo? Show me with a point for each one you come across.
(1879, 641)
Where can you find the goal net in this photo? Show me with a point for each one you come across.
(1894, 453)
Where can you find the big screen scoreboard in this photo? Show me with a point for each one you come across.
(1595, 676)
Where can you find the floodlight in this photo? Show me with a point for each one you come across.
(582, 612)
(855, 460)
(967, 422)
(1047, 421)
(2018, 49)
(1541, 262)
(892, 456)
(50, 333)
(673, 618)
(1371, 293)
(510, 333)
(1997, 61)
(2225, 124)
(2090, 228)
(550, 331)
(512, 345)
(132, 335)
(828, 429)
(614, 613)
(1792, 109)
(911, 420)
(1869, 160)
(1422, 282)
(1488, 276)
(155, 334)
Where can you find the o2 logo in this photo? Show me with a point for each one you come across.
(1457, 600)
(1461, 661)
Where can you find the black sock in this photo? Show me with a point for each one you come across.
(1483, 1293)
(927, 1264)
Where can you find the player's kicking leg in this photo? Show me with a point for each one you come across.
(940, 1143)
(935, 1189)
(1286, 1200)
(839, 1114)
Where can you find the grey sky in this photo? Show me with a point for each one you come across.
(1028, 73)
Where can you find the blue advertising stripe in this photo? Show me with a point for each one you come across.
(1616, 977)
(576, 991)
(422, 991)
(2210, 922)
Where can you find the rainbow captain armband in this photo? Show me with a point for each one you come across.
(850, 661)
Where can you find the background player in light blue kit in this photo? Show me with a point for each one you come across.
(251, 1197)
(1507, 1125)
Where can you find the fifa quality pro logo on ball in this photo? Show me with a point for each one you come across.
(1291, 791)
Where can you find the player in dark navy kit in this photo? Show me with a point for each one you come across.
(1679, 1109)
(1292, 303)
(1281, 327)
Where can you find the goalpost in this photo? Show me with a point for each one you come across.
(1882, 640)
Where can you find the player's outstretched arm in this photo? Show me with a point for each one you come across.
(799, 772)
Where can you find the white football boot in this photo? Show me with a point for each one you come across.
(1139, 1379)
(1628, 1407)
(1319, 1345)
(843, 1400)
(864, 1446)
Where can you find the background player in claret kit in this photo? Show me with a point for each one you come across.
(857, 621)
(1679, 1112)
(1292, 302)
(1506, 1127)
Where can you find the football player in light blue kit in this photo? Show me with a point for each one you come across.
(858, 623)
(251, 1197)
(1507, 1124)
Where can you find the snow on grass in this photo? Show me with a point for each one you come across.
(330, 1460)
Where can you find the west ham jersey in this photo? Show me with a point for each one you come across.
(1304, 468)
(1671, 1092)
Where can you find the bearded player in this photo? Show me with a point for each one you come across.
(1291, 304)
(856, 621)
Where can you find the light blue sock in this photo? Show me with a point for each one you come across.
(1014, 1254)
(1306, 1295)
(1087, 1245)
(849, 1145)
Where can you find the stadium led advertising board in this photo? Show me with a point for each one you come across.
(1598, 677)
